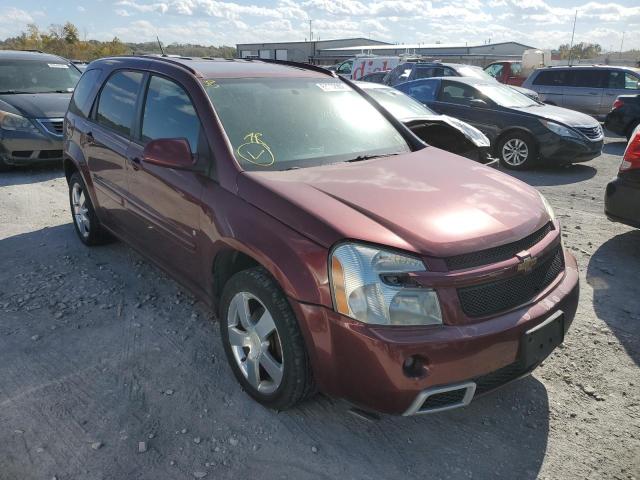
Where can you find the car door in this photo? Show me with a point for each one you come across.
(166, 201)
(464, 102)
(618, 82)
(107, 143)
(583, 91)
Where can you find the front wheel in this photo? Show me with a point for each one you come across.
(262, 340)
(517, 151)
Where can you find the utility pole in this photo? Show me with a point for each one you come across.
(575, 19)
(621, 43)
(310, 32)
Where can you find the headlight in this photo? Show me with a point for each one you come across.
(371, 285)
(11, 121)
(548, 208)
(479, 138)
(560, 129)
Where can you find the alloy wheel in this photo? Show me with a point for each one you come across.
(255, 342)
(80, 210)
(515, 152)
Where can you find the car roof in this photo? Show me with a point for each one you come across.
(587, 67)
(209, 67)
(467, 80)
(30, 55)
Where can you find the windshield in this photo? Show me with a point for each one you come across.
(474, 72)
(283, 123)
(36, 76)
(399, 105)
(506, 96)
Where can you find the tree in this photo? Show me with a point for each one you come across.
(70, 33)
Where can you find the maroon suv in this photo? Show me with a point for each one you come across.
(342, 253)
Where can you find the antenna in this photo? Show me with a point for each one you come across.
(160, 45)
(572, 34)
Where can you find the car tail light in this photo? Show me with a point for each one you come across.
(617, 104)
(631, 158)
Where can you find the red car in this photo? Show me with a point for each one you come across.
(341, 252)
(508, 72)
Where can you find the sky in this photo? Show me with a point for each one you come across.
(538, 23)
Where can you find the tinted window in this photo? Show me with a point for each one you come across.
(394, 76)
(619, 79)
(429, 72)
(458, 93)
(449, 72)
(587, 78)
(169, 113)
(37, 76)
(117, 104)
(81, 101)
(555, 78)
(421, 91)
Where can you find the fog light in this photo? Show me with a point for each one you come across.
(415, 366)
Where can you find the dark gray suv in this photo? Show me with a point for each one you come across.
(588, 89)
(35, 90)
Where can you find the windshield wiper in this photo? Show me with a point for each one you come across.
(360, 158)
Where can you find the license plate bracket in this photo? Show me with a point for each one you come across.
(538, 342)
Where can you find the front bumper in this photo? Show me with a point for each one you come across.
(28, 148)
(364, 363)
(560, 150)
(621, 200)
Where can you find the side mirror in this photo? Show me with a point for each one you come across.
(169, 153)
(478, 102)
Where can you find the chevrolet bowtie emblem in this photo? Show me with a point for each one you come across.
(527, 262)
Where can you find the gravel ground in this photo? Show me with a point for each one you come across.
(109, 370)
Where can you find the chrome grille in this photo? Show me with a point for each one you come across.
(592, 133)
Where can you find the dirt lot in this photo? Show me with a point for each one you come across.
(100, 351)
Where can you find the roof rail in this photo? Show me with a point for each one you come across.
(305, 66)
(171, 60)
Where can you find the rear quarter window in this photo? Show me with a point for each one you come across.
(83, 95)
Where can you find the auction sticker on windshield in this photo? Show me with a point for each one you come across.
(333, 87)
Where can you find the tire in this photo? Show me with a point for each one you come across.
(268, 358)
(517, 151)
(85, 222)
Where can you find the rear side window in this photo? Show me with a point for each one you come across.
(429, 72)
(554, 78)
(81, 102)
(585, 78)
(422, 91)
(621, 80)
(117, 103)
(169, 113)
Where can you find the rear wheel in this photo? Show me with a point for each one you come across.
(517, 151)
(262, 340)
(85, 221)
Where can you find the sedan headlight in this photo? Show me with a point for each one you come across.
(560, 129)
(548, 208)
(11, 121)
(372, 285)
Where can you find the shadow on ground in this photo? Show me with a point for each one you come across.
(35, 174)
(96, 345)
(613, 274)
(549, 176)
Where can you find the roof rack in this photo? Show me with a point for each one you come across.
(305, 66)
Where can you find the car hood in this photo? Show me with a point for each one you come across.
(430, 202)
(36, 105)
(562, 115)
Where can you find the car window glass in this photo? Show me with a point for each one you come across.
(400, 105)
(585, 78)
(169, 113)
(345, 68)
(393, 76)
(117, 103)
(631, 82)
(553, 78)
(37, 76)
(494, 70)
(81, 101)
(449, 72)
(516, 68)
(458, 93)
(423, 91)
(428, 72)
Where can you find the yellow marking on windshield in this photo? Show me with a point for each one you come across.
(211, 83)
(253, 149)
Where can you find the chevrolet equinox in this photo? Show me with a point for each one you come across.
(341, 253)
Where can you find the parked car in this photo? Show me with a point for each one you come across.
(375, 77)
(588, 89)
(413, 70)
(440, 131)
(624, 116)
(508, 72)
(35, 89)
(622, 196)
(522, 131)
(339, 252)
